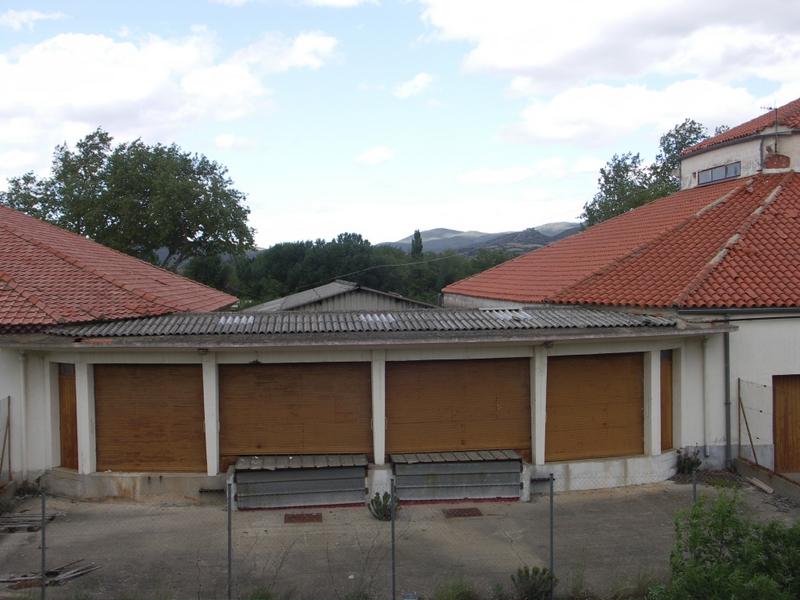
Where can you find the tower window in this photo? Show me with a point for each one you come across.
(714, 174)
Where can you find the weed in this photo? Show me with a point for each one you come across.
(381, 506)
(456, 590)
(689, 461)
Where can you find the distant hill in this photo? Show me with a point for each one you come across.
(470, 242)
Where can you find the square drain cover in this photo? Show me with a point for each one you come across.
(302, 518)
(452, 513)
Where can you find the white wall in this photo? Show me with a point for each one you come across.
(760, 349)
(459, 301)
(749, 153)
(9, 386)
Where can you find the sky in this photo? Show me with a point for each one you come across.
(384, 116)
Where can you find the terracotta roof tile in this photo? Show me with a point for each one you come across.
(788, 116)
(49, 275)
(728, 245)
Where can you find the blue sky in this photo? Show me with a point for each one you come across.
(384, 116)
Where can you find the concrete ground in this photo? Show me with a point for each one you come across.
(605, 541)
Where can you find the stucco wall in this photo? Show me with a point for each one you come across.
(9, 386)
(749, 153)
(459, 301)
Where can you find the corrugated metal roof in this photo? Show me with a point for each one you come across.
(323, 292)
(296, 323)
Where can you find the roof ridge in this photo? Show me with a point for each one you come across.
(14, 286)
(652, 242)
(740, 232)
(61, 230)
(81, 265)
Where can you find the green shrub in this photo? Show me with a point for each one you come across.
(721, 554)
(456, 590)
(381, 506)
(532, 583)
(689, 461)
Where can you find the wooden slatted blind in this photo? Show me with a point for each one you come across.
(786, 422)
(595, 406)
(313, 408)
(149, 418)
(68, 421)
(451, 405)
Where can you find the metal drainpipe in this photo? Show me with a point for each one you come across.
(705, 395)
(727, 399)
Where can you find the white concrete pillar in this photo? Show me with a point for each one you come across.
(679, 385)
(52, 442)
(379, 406)
(18, 454)
(84, 407)
(652, 403)
(211, 411)
(538, 403)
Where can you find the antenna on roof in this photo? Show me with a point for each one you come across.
(775, 108)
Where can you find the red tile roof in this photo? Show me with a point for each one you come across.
(727, 245)
(788, 116)
(49, 275)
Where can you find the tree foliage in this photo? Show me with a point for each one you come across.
(155, 202)
(626, 182)
(291, 267)
(720, 553)
(416, 244)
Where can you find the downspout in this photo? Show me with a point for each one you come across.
(727, 399)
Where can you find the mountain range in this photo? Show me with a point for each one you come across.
(470, 242)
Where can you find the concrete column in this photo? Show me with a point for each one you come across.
(679, 390)
(538, 403)
(84, 407)
(18, 455)
(53, 411)
(379, 406)
(211, 411)
(652, 403)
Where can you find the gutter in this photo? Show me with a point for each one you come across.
(727, 370)
(23, 425)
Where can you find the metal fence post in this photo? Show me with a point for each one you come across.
(44, 548)
(394, 568)
(552, 539)
(230, 542)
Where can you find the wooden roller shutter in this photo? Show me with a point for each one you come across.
(786, 422)
(149, 418)
(666, 400)
(68, 420)
(314, 408)
(453, 405)
(595, 406)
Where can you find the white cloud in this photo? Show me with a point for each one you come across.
(375, 155)
(569, 43)
(598, 113)
(414, 86)
(339, 3)
(275, 53)
(63, 87)
(550, 168)
(18, 19)
(230, 141)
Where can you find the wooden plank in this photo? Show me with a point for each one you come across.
(594, 406)
(68, 421)
(457, 405)
(786, 422)
(666, 400)
(309, 408)
(149, 418)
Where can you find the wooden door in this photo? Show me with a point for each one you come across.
(308, 408)
(786, 422)
(458, 405)
(666, 400)
(149, 418)
(595, 406)
(67, 415)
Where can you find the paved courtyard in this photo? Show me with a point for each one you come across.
(605, 541)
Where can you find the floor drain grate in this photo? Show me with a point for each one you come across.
(452, 513)
(302, 518)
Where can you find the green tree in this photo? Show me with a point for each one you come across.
(626, 182)
(416, 244)
(157, 202)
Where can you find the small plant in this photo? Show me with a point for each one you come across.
(358, 595)
(689, 461)
(6, 505)
(261, 593)
(456, 590)
(532, 583)
(381, 506)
